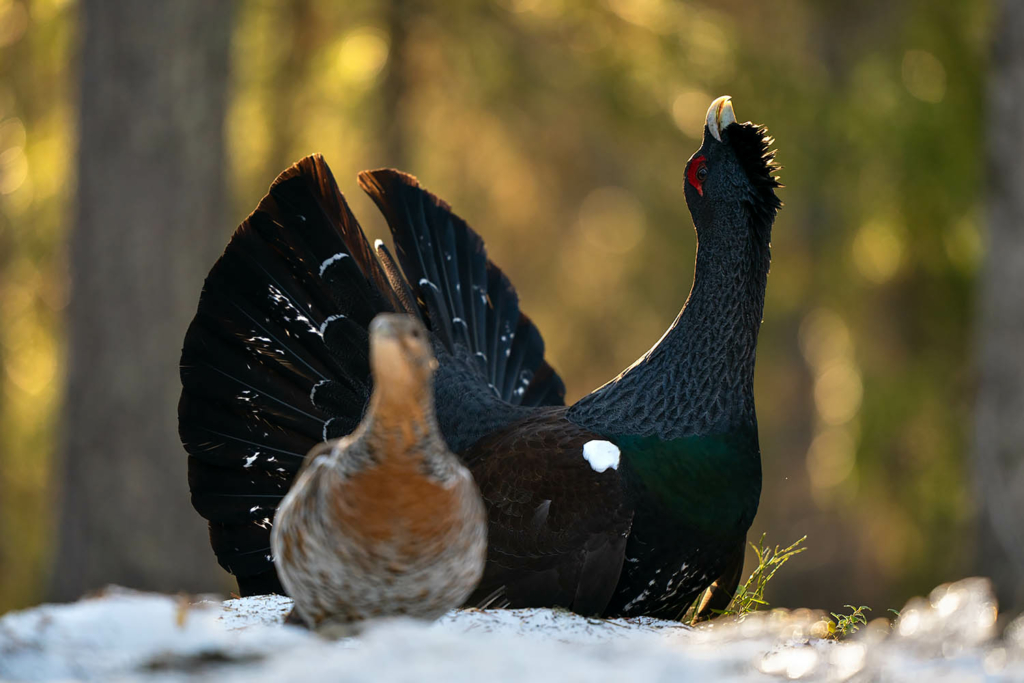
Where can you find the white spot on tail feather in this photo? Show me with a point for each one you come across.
(328, 321)
(312, 392)
(601, 455)
(327, 262)
(635, 601)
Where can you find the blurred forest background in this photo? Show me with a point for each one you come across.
(890, 387)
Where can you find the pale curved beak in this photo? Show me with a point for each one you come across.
(720, 115)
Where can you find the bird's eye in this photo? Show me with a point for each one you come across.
(697, 173)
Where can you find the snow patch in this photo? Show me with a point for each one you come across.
(127, 636)
(601, 455)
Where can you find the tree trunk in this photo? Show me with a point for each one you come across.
(395, 87)
(299, 30)
(999, 436)
(149, 222)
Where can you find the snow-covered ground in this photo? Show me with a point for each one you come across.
(123, 635)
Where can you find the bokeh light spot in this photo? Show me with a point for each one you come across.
(35, 365)
(924, 76)
(824, 337)
(13, 169)
(831, 457)
(13, 21)
(650, 14)
(361, 55)
(837, 392)
(688, 112)
(877, 251)
(12, 134)
(710, 48)
(613, 219)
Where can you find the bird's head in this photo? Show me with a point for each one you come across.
(400, 353)
(729, 182)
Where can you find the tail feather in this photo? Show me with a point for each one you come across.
(522, 358)
(405, 295)
(220, 436)
(472, 306)
(545, 389)
(235, 495)
(502, 320)
(277, 357)
(246, 554)
(319, 193)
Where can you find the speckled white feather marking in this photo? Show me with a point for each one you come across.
(327, 262)
(601, 455)
(327, 321)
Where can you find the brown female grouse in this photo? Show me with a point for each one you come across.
(385, 521)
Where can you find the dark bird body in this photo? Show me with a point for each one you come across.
(385, 521)
(632, 501)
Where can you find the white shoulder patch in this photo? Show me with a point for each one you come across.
(601, 455)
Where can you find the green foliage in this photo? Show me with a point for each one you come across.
(750, 596)
(842, 625)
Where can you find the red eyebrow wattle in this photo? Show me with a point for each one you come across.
(691, 174)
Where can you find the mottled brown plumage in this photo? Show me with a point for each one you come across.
(385, 521)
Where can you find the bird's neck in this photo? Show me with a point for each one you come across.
(399, 400)
(698, 379)
(400, 424)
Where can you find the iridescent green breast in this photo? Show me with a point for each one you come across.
(708, 484)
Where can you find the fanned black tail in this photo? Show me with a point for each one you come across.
(473, 310)
(276, 359)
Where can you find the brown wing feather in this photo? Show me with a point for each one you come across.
(557, 528)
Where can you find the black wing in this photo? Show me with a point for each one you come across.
(557, 527)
